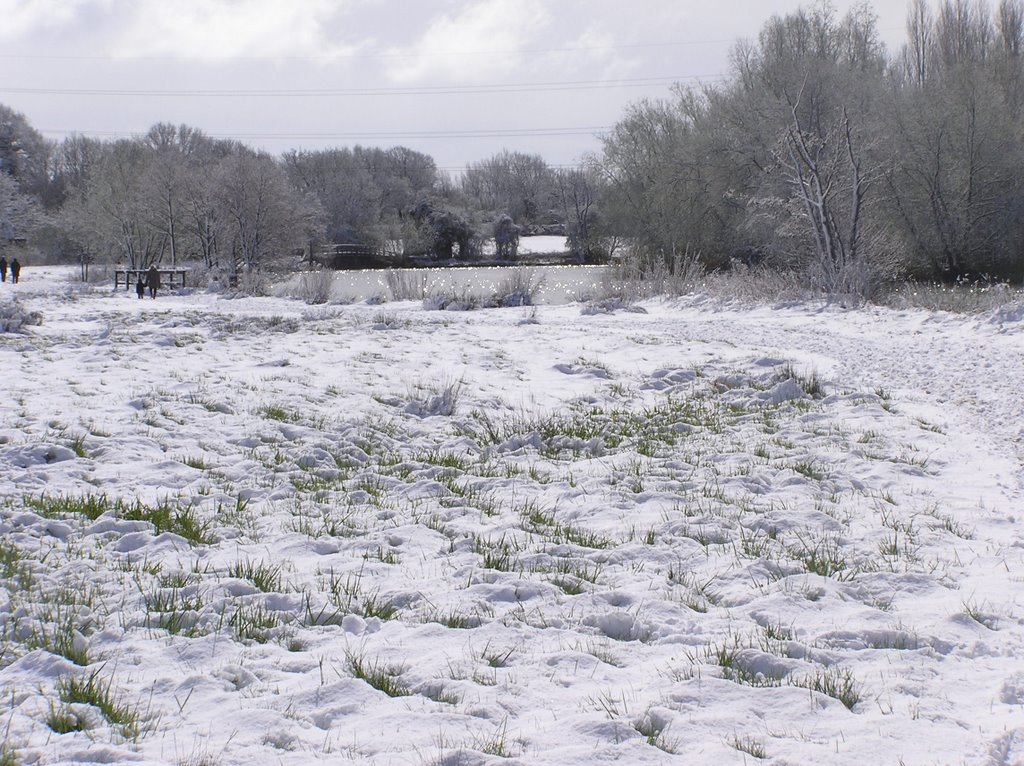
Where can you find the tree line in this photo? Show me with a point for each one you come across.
(821, 153)
(176, 195)
(825, 155)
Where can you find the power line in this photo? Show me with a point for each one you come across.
(375, 55)
(498, 133)
(430, 90)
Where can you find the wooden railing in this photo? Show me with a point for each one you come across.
(347, 256)
(168, 277)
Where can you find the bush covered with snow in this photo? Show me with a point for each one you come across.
(14, 317)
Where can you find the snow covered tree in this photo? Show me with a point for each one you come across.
(510, 182)
(24, 154)
(20, 214)
(267, 219)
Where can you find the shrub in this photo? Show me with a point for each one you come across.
(13, 317)
(315, 287)
(405, 285)
(519, 288)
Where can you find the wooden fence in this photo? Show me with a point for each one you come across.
(168, 277)
(349, 256)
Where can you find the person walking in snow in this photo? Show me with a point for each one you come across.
(3, 269)
(153, 280)
(15, 271)
(140, 287)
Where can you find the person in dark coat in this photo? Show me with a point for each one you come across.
(3, 269)
(140, 287)
(153, 280)
(15, 270)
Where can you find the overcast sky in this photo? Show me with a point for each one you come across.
(457, 79)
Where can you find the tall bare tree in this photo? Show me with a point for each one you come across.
(268, 220)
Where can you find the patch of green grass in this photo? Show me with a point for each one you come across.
(348, 597)
(822, 556)
(385, 678)
(775, 632)
(455, 620)
(837, 683)
(62, 639)
(755, 544)
(92, 690)
(383, 555)
(266, 577)
(808, 468)
(655, 734)
(443, 459)
(177, 579)
(977, 613)
(77, 446)
(585, 428)
(953, 526)
(15, 566)
(579, 569)
(278, 413)
(174, 610)
(501, 555)
(808, 381)
(496, 658)
(536, 519)
(496, 744)
(253, 622)
(60, 506)
(567, 533)
(207, 404)
(62, 720)
(166, 516)
(372, 605)
(441, 694)
(195, 461)
(727, 657)
(750, 746)
(867, 437)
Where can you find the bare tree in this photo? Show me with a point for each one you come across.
(918, 48)
(510, 182)
(575, 195)
(113, 215)
(174, 151)
(828, 178)
(956, 186)
(269, 221)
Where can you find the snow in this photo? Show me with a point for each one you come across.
(538, 244)
(543, 243)
(554, 534)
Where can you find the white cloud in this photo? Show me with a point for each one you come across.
(228, 28)
(24, 18)
(454, 46)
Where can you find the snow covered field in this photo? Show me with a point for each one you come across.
(248, 531)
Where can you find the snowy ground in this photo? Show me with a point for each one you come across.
(246, 531)
(540, 244)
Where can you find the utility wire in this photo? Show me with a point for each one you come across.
(499, 133)
(430, 90)
(375, 55)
